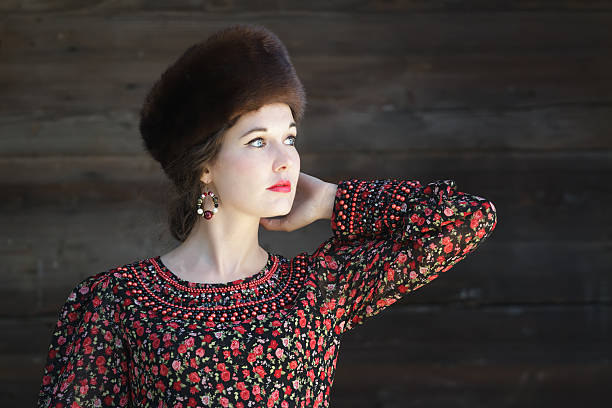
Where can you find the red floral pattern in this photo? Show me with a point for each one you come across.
(139, 336)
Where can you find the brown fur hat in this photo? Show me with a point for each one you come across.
(235, 70)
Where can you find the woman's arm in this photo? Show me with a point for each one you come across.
(329, 196)
(87, 361)
(391, 237)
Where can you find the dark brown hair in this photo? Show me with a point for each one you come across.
(185, 173)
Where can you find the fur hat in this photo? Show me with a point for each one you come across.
(236, 70)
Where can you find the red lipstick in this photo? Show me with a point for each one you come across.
(283, 186)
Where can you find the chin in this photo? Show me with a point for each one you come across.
(276, 210)
(284, 211)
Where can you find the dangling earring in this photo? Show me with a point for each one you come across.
(208, 213)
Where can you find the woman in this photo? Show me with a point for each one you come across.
(220, 321)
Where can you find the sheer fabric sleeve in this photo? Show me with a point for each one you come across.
(391, 237)
(87, 363)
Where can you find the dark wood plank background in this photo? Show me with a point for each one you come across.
(512, 100)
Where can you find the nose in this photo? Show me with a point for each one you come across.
(284, 159)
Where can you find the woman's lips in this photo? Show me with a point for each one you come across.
(281, 189)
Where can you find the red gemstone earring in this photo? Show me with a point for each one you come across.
(208, 213)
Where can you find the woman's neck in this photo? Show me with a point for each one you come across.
(210, 256)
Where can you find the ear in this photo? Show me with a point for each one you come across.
(206, 176)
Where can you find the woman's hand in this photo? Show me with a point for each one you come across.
(314, 200)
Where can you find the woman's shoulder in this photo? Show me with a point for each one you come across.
(103, 283)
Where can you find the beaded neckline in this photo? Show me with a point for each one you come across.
(271, 289)
(182, 284)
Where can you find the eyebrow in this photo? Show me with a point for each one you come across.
(260, 129)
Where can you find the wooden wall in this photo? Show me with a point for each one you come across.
(512, 100)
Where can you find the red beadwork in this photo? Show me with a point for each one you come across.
(251, 284)
(244, 309)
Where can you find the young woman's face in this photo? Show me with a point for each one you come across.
(251, 160)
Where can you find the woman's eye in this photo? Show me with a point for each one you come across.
(261, 139)
(255, 140)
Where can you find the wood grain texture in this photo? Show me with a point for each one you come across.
(233, 6)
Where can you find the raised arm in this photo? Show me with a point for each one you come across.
(391, 237)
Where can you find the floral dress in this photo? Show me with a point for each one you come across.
(137, 335)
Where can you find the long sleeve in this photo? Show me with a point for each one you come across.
(391, 237)
(87, 363)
